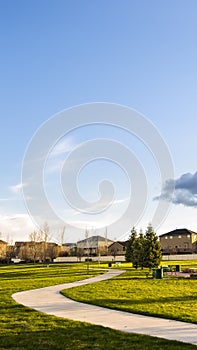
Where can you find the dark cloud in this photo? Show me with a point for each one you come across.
(187, 182)
(185, 190)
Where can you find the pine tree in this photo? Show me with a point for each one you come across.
(141, 243)
(138, 251)
(152, 249)
(130, 246)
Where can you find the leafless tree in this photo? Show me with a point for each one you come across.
(62, 235)
(35, 238)
(45, 238)
(10, 252)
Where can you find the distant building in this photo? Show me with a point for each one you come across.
(3, 249)
(117, 248)
(179, 241)
(93, 246)
(67, 249)
(36, 251)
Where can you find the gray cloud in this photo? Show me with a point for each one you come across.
(185, 190)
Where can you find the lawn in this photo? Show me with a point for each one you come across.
(174, 298)
(26, 329)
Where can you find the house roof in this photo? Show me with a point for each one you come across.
(180, 231)
(69, 244)
(122, 243)
(95, 239)
(3, 242)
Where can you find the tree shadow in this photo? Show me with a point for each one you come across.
(83, 336)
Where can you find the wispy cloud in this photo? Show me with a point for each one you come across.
(62, 147)
(104, 205)
(185, 190)
(8, 199)
(100, 219)
(56, 158)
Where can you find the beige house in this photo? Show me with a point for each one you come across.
(3, 249)
(36, 251)
(179, 241)
(93, 246)
(117, 248)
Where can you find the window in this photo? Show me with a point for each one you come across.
(179, 236)
(188, 236)
(171, 237)
(166, 237)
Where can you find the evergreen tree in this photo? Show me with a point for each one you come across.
(140, 250)
(135, 255)
(152, 249)
(130, 246)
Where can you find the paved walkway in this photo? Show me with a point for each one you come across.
(50, 301)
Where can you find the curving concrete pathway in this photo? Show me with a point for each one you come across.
(50, 301)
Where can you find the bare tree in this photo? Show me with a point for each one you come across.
(35, 238)
(62, 235)
(87, 242)
(79, 253)
(45, 238)
(11, 249)
(106, 241)
(10, 253)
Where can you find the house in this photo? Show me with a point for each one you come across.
(117, 248)
(93, 246)
(3, 249)
(67, 249)
(36, 251)
(179, 241)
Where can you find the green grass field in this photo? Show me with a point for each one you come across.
(26, 329)
(174, 298)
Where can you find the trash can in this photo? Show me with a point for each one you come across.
(178, 268)
(109, 265)
(88, 259)
(159, 274)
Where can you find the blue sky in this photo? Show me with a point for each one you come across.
(57, 54)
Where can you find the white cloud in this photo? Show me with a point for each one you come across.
(179, 217)
(16, 226)
(16, 188)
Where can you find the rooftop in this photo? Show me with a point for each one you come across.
(179, 231)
